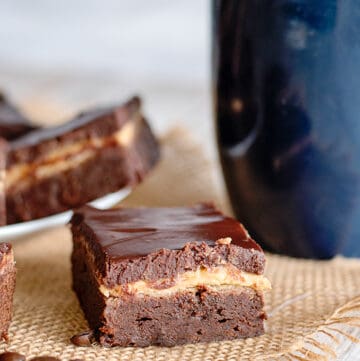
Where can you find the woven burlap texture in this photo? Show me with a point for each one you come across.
(312, 308)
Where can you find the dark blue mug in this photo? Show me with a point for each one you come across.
(287, 107)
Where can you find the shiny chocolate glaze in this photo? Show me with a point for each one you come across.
(133, 232)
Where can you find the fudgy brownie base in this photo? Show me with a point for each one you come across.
(7, 287)
(111, 169)
(204, 315)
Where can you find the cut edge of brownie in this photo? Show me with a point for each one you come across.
(198, 314)
(202, 312)
(7, 287)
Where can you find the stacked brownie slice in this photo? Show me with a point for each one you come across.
(100, 151)
(167, 276)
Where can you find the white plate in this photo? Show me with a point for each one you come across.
(13, 231)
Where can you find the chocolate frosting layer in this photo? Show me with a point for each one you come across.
(151, 243)
(13, 124)
(100, 122)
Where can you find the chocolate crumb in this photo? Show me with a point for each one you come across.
(11, 356)
(44, 358)
(84, 339)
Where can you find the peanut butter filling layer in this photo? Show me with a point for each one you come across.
(222, 276)
(67, 157)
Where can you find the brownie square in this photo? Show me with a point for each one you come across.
(7, 287)
(98, 152)
(167, 276)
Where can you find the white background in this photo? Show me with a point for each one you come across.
(79, 53)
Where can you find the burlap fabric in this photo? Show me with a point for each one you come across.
(313, 310)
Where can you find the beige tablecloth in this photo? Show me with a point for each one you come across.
(314, 307)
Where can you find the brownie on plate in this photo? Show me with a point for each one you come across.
(7, 287)
(167, 276)
(100, 151)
